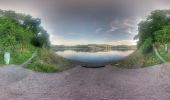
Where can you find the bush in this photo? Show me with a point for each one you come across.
(147, 46)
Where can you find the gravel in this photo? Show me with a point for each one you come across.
(79, 83)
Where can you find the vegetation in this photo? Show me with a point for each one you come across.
(164, 53)
(154, 32)
(138, 60)
(21, 28)
(149, 30)
(47, 61)
(22, 35)
(154, 37)
(15, 39)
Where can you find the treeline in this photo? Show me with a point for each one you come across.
(76, 46)
(124, 47)
(21, 29)
(57, 47)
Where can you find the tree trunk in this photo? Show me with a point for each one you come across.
(157, 54)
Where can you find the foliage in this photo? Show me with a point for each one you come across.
(162, 36)
(12, 34)
(20, 35)
(147, 28)
(26, 22)
(164, 54)
(151, 59)
(146, 46)
(18, 56)
(155, 30)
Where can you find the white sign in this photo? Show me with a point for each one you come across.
(7, 58)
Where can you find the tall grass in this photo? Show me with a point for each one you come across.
(47, 61)
(18, 55)
(165, 55)
(138, 60)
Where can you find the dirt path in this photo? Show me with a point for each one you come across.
(30, 59)
(81, 83)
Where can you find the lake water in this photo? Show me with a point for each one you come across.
(97, 57)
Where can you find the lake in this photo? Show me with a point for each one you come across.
(94, 57)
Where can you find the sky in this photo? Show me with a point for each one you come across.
(74, 22)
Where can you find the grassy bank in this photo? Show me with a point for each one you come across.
(21, 35)
(47, 61)
(18, 55)
(165, 55)
(137, 60)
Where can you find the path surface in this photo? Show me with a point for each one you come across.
(79, 83)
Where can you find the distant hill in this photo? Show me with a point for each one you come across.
(94, 46)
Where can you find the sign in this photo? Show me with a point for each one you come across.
(7, 58)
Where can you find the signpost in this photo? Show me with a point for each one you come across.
(7, 58)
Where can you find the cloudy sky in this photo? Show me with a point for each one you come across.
(72, 22)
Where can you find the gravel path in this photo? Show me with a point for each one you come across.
(79, 83)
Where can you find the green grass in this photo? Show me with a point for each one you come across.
(164, 54)
(40, 67)
(138, 60)
(47, 61)
(150, 60)
(18, 56)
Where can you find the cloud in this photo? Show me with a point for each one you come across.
(129, 22)
(131, 25)
(88, 21)
(122, 29)
(123, 42)
(99, 30)
(115, 24)
(60, 40)
(113, 28)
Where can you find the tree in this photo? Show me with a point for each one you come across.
(162, 36)
(40, 36)
(12, 33)
(147, 29)
(41, 39)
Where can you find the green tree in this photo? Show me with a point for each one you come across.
(162, 36)
(147, 29)
(12, 33)
(40, 38)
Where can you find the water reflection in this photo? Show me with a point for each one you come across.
(94, 57)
